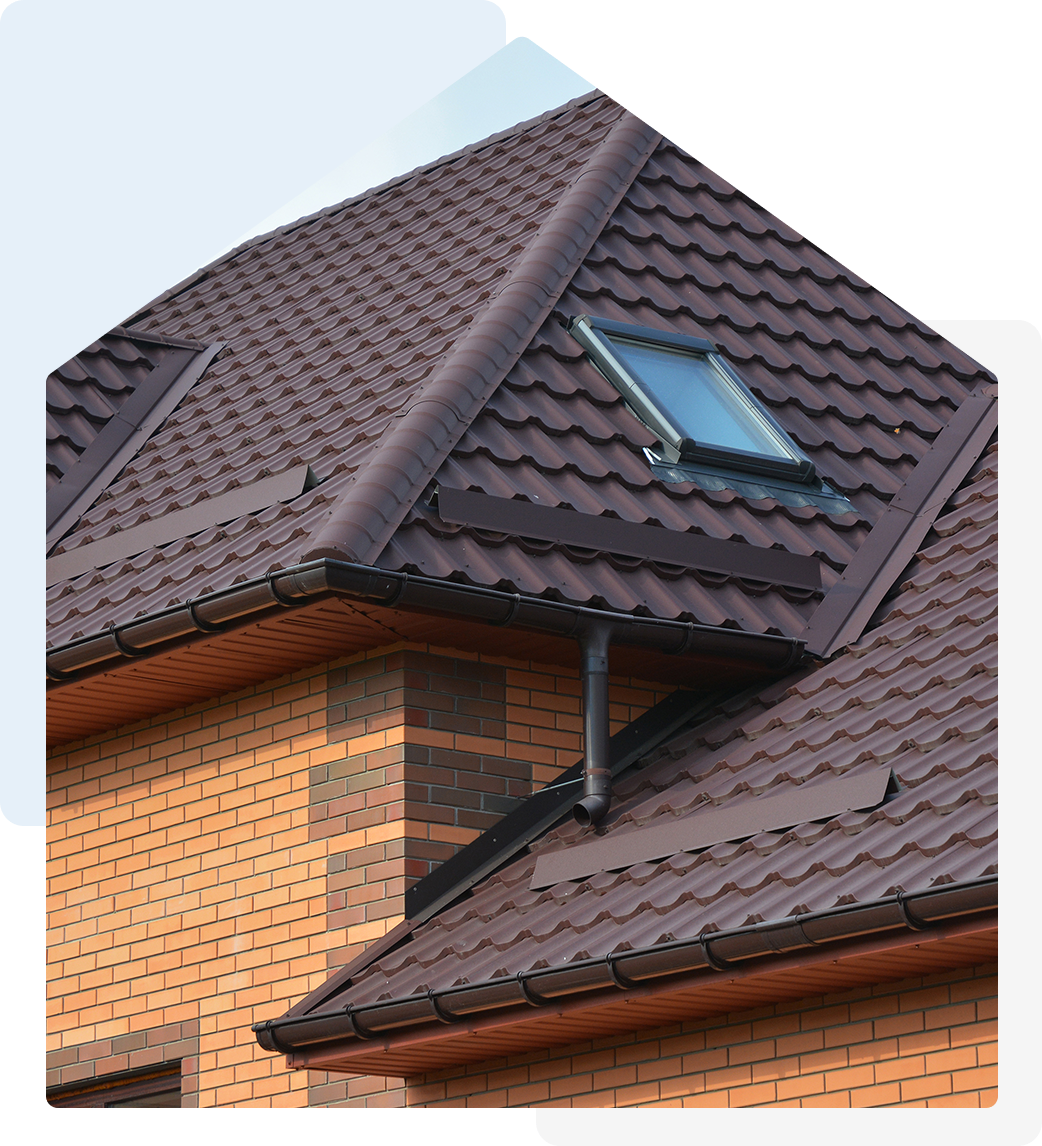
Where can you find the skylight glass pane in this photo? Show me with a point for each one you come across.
(699, 399)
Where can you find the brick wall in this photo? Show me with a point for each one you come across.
(923, 1042)
(208, 868)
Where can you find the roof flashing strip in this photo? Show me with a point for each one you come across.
(612, 535)
(249, 498)
(703, 828)
(506, 838)
(126, 431)
(895, 539)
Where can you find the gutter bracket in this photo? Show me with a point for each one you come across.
(266, 1030)
(710, 958)
(911, 919)
(397, 595)
(202, 626)
(618, 978)
(515, 606)
(356, 1027)
(276, 592)
(125, 649)
(532, 998)
(442, 1016)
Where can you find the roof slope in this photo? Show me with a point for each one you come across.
(334, 325)
(340, 328)
(861, 385)
(87, 391)
(915, 698)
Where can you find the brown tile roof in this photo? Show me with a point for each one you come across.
(84, 393)
(344, 331)
(913, 705)
(334, 325)
(861, 386)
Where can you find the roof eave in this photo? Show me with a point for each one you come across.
(424, 1030)
(300, 584)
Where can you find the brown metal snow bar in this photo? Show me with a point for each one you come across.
(628, 969)
(243, 604)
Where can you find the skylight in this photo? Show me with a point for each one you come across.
(685, 392)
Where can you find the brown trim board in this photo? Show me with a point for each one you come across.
(610, 534)
(249, 498)
(125, 432)
(784, 807)
(848, 606)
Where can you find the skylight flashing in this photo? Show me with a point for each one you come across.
(681, 388)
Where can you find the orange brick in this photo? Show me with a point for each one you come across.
(847, 1034)
(757, 1095)
(840, 1099)
(910, 1066)
(751, 1052)
(834, 1058)
(639, 1094)
(682, 1044)
(849, 1078)
(616, 1077)
(928, 1087)
(986, 986)
(804, 1042)
(954, 1015)
(961, 1058)
(775, 1025)
(704, 1060)
(715, 1099)
(979, 1078)
(875, 1051)
(974, 1033)
(572, 1084)
(969, 1100)
(728, 1077)
(775, 1068)
(888, 1094)
(923, 1042)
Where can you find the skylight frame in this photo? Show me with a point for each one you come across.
(596, 336)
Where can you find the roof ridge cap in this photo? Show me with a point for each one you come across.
(373, 505)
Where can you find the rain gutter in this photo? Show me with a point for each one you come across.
(624, 970)
(246, 602)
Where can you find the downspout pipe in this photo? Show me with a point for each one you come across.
(596, 797)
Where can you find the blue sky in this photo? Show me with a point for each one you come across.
(532, 75)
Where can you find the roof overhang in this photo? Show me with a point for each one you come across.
(326, 609)
(902, 937)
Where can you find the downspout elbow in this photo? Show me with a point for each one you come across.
(592, 808)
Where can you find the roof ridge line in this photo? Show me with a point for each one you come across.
(372, 507)
(258, 241)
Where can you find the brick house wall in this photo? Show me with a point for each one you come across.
(211, 866)
(925, 1042)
